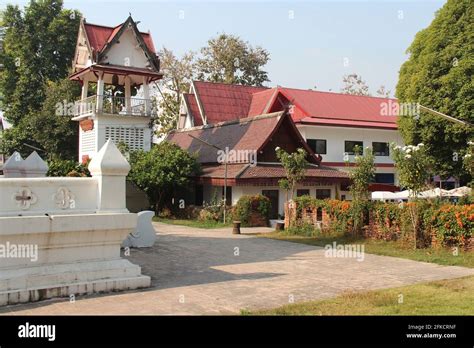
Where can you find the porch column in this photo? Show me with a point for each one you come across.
(128, 95)
(83, 107)
(100, 92)
(146, 95)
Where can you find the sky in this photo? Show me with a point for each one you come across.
(311, 43)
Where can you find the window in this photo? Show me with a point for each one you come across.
(349, 146)
(319, 214)
(318, 145)
(323, 193)
(385, 178)
(300, 193)
(381, 149)
(199, 195)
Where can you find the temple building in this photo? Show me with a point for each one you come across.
(332, 124)
(252, 165)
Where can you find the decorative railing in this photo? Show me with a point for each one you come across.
(115, 106)
(85, 106)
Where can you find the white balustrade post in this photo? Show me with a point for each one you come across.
(146, 95)
(128, 95)
(83, 106)
(110, 168)
(100, 92)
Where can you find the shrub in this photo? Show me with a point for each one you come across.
(206, 215)
(453, 224)
(248, 205)
(214, 211)
(191, 212)
(58, 167)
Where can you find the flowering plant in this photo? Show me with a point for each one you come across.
(413, 167)
(468, 160)
(454, 224)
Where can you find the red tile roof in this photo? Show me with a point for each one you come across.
(224, 102)
(339, 106)
(193, 108)
(218, 170)
(248, 134)
(266, 170)
(277, 171)
(243, 134)
(100, 35)
(261, 101)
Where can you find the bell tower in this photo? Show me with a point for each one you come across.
(115, 66)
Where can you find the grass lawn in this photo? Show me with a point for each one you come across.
(380, 247)
(445, 297)
(192, 223)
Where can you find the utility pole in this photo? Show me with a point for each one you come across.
(446, 117)
(224, 198)
(449, 118)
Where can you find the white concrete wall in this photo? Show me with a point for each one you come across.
(76, 226)
(47, 194)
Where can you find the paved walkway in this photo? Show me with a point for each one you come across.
(197, 271)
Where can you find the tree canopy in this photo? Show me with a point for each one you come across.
(439, 74)
(178, 73)
(225, 58)
(162, 171)
(38, 47)
(229, 59)
(353, 84)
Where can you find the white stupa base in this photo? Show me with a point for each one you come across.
(44, 282)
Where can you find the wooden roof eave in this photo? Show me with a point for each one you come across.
(296, 133)
(153, 76)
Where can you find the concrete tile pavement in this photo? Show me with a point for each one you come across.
(197, 271)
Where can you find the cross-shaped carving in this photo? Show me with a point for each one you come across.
(25, 198)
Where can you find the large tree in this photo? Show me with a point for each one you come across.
(225, 58)
(51, 128)
(38, 47)
(439, 74)
(353, 84)
(178, 73)
(229, 59)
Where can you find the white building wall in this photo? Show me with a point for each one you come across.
(88, 143)
(133, 131)
(336, 136)
(239, 191)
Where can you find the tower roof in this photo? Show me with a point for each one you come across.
(100, 35)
